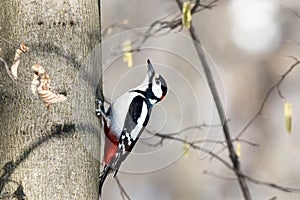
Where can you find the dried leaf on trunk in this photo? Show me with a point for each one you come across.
(39, 78)
(41, 85)
(49, 97)
(16, 62)
(34, 85)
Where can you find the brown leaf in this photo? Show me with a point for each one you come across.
(45, 82)
(16, 62)
(34, 85)
(24, 48)
(41, 85)
(15, 65)
(38, 72)
(41, 79)
(49, 97)
(38, 69)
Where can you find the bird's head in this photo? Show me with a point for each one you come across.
(156, 85)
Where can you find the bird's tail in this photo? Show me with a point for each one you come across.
(113, 165)
(107, 169)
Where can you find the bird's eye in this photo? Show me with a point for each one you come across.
(157, 82)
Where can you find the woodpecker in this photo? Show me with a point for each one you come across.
(126, 118)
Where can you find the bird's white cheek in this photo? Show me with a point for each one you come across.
(157, 91)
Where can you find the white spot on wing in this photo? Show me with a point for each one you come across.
(128, 138)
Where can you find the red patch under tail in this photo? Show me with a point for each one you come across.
(110, 146)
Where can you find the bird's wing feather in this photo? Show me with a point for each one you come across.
(135, 122)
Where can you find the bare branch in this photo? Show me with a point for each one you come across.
(10, 74)
(123, 192)
(120, 25)
(194, 146)
(218, 103)
(255, 181)
(248, 142)
(195, 6)
(224, 142)
(200, 126)
(219, 176)
(159, 27)
(277, 87)
(198, 6)
(273, 198)
(273, 185)
(7, 69)
(293, 42)
(291, 11)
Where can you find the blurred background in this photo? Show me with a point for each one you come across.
(247, 42)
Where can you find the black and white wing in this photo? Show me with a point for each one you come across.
(134, 124)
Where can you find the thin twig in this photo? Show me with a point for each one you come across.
(195, 6)
(255, 181)
(123, 192)
(224, 142)
(9, 72)
(248, 142)
(214, 155)
(232, 154)
(195, 146)
(272, 185)
(292, 41)
(275, 86)
(159, 27)
(292, 11)
(219, 151)
(161, 135)
(198, 6)
(219, 176)
(18, 81)
(200, 126)
(273, 198)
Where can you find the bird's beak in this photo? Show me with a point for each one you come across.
(151, 71)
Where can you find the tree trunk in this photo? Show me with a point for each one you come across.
(50, 155)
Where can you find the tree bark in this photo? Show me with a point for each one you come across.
(50, 155)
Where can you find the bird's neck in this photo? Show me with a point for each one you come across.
(149, 96)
